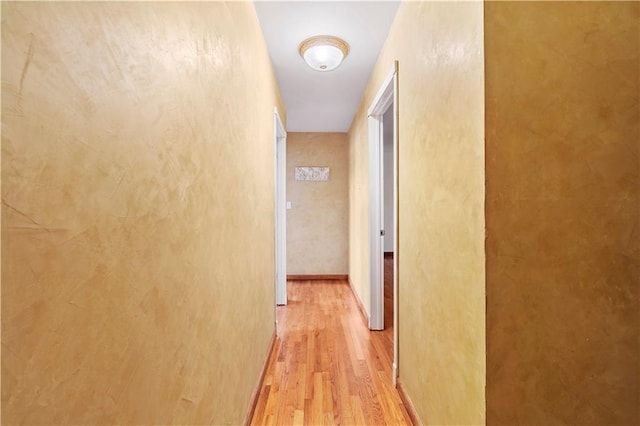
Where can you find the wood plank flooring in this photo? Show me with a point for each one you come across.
(328, 368)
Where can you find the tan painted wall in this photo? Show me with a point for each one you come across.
(317, 223)
(138, 252)
(439, 46)
(563, 237)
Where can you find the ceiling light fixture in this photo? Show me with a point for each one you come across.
(323, 52)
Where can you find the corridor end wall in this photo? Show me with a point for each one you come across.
(317, 223)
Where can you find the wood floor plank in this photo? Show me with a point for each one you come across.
(316, 402)
(329, 368)
(356, 405)
(298, 417)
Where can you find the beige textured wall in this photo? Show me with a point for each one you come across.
(317, 223)
(439, 46)
(563, 237)
(137, 251)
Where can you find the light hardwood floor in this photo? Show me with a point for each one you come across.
(328, 368)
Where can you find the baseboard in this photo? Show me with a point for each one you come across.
(253, 402)
(326, 277)
(363, 312)
(408, 405)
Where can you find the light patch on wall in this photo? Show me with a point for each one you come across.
(312, 173)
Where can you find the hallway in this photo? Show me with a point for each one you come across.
(141, 163)
(328, 368)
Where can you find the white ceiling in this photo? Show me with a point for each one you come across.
(323, 101)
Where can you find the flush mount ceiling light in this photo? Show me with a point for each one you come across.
(324, 52)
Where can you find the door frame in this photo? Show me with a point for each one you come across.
(387, 95)
(280, 194)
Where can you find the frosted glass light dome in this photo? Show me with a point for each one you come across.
(323, 53)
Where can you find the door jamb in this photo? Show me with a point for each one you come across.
(387, 95)
(280, 184)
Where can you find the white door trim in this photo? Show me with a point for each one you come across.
(280, 170)
(386, 96)
(376, 273)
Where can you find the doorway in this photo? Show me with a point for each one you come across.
(383, 234)
(280, 178)
(387, 197)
